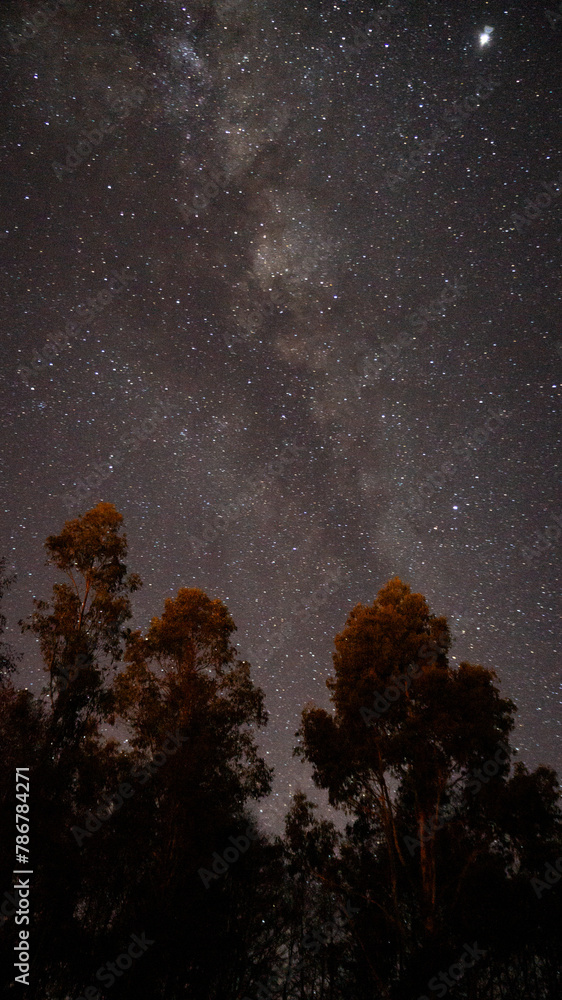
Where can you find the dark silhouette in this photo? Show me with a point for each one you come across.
(151, 878)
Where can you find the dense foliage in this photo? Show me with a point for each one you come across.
(144, 766)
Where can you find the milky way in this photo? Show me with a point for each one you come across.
(311, 253)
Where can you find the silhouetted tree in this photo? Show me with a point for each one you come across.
(416, 750)
(148, 828)
(81, 630)
(184, 679)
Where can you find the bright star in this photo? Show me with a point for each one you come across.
(485, 36)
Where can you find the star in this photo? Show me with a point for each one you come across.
(485, 36)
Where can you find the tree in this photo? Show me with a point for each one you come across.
(316, 900)
(155, 834)
(81, 630)
(183, 678)
(72, 764)
(400, 750)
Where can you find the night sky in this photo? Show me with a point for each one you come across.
(220, 227)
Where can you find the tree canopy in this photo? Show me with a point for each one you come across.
(145, 770)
